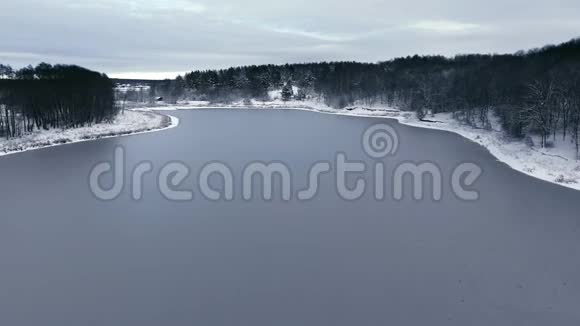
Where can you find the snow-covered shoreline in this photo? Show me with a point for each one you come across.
(128, 123)
(555, 165)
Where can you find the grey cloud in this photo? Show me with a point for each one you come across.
(169, 36)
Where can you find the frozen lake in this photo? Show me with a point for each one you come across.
(67, 258)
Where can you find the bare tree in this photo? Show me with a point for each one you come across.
(539, 110)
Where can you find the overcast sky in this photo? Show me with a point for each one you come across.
(160, 38)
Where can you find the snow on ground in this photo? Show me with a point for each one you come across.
(277, 94)
(127, 123)
(124, 88)
(556, 165)
(309, 105)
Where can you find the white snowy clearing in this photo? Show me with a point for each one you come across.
(557, 165)
(126, 123)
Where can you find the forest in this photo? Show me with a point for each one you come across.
(535, 91)
(531, 91)
(47, 96)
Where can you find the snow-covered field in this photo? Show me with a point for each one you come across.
(127, 123)
(556, 165)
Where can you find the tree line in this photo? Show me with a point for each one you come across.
(53, 96)
(148, 91)
(531, 91)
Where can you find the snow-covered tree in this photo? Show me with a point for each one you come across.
(6, 72)
(300, 95)
(287, 92)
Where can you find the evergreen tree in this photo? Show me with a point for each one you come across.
(467, 85)
(287, 92)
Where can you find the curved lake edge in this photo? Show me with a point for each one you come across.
(395, 118)
(172, 122)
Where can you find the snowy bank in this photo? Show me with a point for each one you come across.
(556, 165)
(127, 123)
